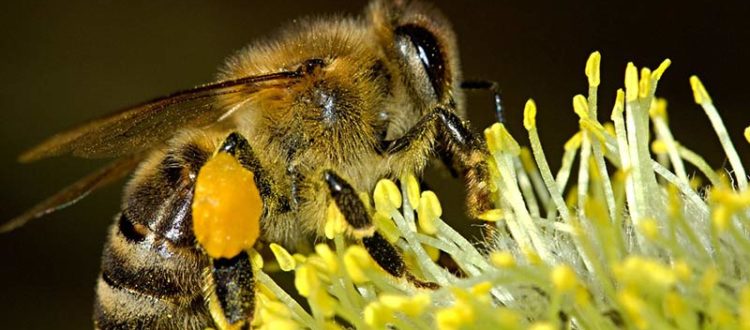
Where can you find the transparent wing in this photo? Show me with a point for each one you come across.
(138, 128)
(76, 191)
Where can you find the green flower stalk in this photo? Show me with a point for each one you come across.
(634, 242)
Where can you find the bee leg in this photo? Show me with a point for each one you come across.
(231, 291)
(236, 145)
(228, 281)
(356, 215)
(443, 130)
(493, 88)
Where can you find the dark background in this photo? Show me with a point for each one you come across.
(63, 62)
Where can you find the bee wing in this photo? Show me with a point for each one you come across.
(76, 191)
(140, 127)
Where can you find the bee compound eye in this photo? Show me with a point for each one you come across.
(428, 51)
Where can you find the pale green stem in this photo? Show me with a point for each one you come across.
(698, 161)
(726, 143)
(665, 135)
(299, 312)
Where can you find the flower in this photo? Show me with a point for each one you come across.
(632, 241)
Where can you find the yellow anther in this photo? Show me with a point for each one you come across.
(618, 108)
(505, 141)
(596, 211)
(633, 306)
(631, 82)
(744, 309)
(386, 227)
(324, 302)
(708, 281)
(658, 108)
(331, 325)
(659, 147)
(507, 319)
(226, 207)
(527, 160)
(256, 259)
(747, 134)
(417, 304)
(306, 280)
(491, 215)
(300, 258)
(656, 75)
(531, 256)
(356, 259)
(644, 86)
(609, 128)
(563, 278)
(649, 228)
(581, 106)
(277, 309)
(393, 301)
(594, 128)
(328, 257)
(412, 189)
(377, 315)
(387, 197)
(699, 91)
(529, 115)
(453, 317)
(492, 144)
(428, 211)
(645, 273)
(544, 325)
(280, 324)
(335, 221)
(674, 306)
(502, 259)
(574, 142)
(432, 252)
(682, 270)
(285, 259)
(481, 288)
(721, 218)
(582, 296)
(592, 68)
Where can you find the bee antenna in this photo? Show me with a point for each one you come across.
(493, 88)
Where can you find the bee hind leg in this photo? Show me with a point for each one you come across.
(355, 213)
(231, 292)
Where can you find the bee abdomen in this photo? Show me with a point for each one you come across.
(147, 282)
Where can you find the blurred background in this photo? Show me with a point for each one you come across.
(63, 62)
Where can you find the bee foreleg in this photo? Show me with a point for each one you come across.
(376, 245)
(231, 292)
(465, 149)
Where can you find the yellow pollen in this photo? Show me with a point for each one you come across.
(699, 91)
(286, 261)
(529, 115)
(592, 69)
(226, 207)
(631, 82)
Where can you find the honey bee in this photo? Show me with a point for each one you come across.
(313, 116)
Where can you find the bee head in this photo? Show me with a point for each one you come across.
(424, 46)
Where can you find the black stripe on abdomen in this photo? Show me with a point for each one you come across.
(151, 266)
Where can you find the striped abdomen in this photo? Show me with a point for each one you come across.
(151, 274)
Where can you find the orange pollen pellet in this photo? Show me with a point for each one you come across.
(226, 207)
